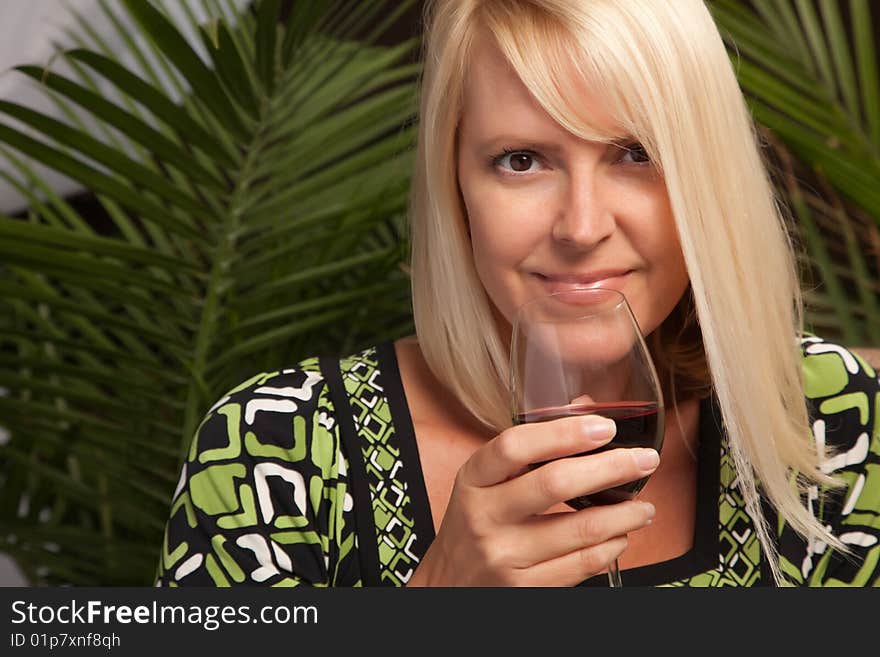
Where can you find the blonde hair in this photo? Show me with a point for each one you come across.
(663, 72)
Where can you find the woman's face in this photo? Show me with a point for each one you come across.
(549, 211)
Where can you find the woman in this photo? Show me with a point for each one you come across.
(562, 143)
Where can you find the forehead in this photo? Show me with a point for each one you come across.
(495, 97)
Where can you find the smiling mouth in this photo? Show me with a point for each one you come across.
(590, 280)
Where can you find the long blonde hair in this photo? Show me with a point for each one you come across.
(663, 72)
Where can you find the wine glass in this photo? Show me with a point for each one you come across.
(581, 352)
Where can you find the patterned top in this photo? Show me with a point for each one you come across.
(311, 476)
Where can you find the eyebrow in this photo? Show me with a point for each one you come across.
(500, 141)
(495, 143)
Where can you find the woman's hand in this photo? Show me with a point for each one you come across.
(494, 532)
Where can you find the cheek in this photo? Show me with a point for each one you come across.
(668, 272)
(664, 245)
(497, 249)
(649, 226)
(505, 227)
(498, 240)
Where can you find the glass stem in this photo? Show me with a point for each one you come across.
(614, 576)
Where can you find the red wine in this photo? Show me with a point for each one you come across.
(637, 426)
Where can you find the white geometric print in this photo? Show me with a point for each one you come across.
(854, 456)
(343, 464)
(852, 365)
(303, 393)
(859, 538)
(819, 435)
(854, 495)
(327, 421)
(180, 482)
(281, 557)
(262, 472)
(188, 566)
(273, 405)
(258, 545)
(218, 404)
(814, 547)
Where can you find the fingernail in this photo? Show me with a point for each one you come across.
(646, 459)
(650, 511)
(596, 427)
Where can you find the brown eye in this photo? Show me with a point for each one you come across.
(512, 162)
(636, 152)
(520, 161)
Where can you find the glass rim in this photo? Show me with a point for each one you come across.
(621, 300)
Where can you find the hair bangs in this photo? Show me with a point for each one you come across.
(562, 54)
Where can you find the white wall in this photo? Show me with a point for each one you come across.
(28, 29)
(30, 33)
(10, 575)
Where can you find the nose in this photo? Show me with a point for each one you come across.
(584, 217)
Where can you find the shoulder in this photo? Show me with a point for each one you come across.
(838, 381)
(263, 493)
(843, 398)
(840, 386)
(290, 388)
(292, 406)
(267, 407)
(830, 367)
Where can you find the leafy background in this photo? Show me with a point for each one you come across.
(809, 69)
(246, 208)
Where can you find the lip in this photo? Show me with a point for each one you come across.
(613, 279)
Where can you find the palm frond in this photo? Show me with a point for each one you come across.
(254, 176)
(813, 86)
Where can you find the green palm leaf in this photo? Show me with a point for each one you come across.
(254, 200)
(813, 86)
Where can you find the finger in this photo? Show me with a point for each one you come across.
(567, 478)
(511, 451)
(573, 568)
(558, 534)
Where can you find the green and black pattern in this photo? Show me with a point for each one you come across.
(843, 398)
(263, 498)
(388, 473)
(266, 496)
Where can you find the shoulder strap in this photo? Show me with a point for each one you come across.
(365, 529)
